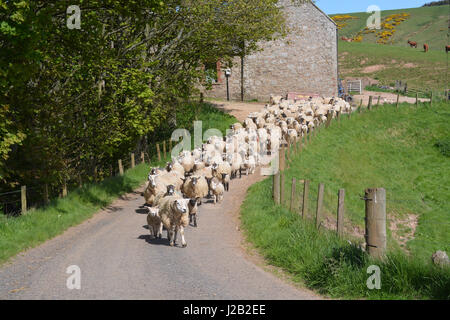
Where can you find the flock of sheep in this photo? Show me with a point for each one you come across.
(174, 193)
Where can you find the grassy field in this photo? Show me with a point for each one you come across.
(24, 232)
(424, 25)
(406, 152)
(390, 63)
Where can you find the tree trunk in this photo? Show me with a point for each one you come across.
(242, 77)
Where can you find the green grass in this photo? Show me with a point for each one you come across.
(425, 25)
(394, 149)
(28, 231)
(425, 72)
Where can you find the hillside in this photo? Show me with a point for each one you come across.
(423, 25)
(390, 63)
(403, 150)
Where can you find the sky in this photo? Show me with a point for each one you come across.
(347, 6)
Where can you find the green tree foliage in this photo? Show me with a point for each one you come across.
(73, 101)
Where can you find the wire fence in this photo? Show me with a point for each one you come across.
(17, 201)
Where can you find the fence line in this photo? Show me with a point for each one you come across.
(375, 201)
(37, 196)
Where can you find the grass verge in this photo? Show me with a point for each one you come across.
(400, 150)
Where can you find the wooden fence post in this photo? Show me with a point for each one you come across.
(375, 222)
(276, 188)
(369, 106)
(319, 204)
(398, 100)
(282, 195)
(329, 118)
(23, 196)
(159, 152)
(431, 99)
(282, 158)
(378, 102)
(340, 213)
(142, 157)
(293, 186)
(164, 149)
(46, 196)
(170, 145)
(120, 168)
(133, 163)
(305, 199)
(64, 189)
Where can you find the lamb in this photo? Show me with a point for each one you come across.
(174, 213)
(236, 160)
(226, 181)
(249, 165)
(154, 223)
(193, 211)
(195, 187)
(217, 189)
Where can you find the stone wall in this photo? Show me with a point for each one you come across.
(304, 62)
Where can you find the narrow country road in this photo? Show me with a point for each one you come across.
(118, 260)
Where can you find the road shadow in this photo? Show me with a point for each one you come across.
(156, 242)
(141, 211)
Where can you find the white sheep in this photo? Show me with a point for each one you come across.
(217, 190)
(174, 213)
(195, 187)
(154, 223)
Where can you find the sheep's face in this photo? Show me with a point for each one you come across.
(181, 205)
(194, 180)
(154, 212)
(153, 171)
(169, 166)
(170, 190)
(152, 180)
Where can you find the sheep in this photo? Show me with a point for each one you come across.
(154, 189)
(174, 213)
(291, 136)
(195, 187)
(154, 222)
(175, 166)
(193, 211)
(249, 124)
(236, 160)
(187, 162)
(226, 181)
(249, 165)
(217, 189)
(218, 169)
(275, 100)
(260, 122)
(199, 165)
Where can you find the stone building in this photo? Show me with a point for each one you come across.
(305, 62)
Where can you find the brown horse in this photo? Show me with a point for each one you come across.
(425, 47)
(447, 49)
(413, 44)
